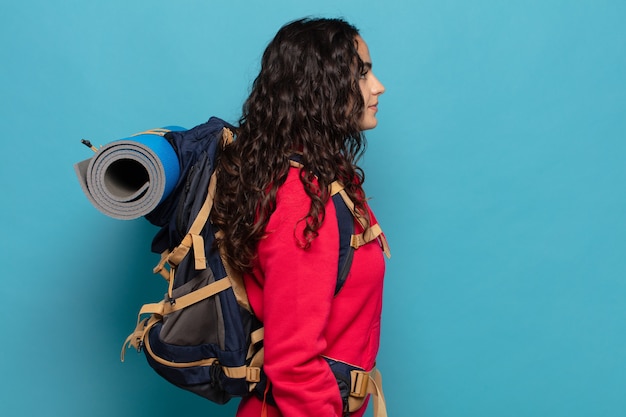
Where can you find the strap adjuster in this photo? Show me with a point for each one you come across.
(253, 374)
(359, 381)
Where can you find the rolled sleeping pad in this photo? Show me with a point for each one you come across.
(128, 178)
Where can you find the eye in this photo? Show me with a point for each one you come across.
(365, 70)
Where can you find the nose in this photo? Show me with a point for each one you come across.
(377, 87)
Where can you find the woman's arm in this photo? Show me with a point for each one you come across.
(297, 295)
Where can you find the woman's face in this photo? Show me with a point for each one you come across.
(371, 88)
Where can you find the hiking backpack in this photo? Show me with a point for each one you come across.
(203, 336)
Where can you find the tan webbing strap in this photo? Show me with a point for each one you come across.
(190, 240)
(234, 372)
(372, 232)
(205, 210)
(358, 240)
(385, 245)
(137, 336)
(151, 308)
(367, 236)
(362, 220)
(142, 327)
(193, 238)
(257, 335)
(227, 136)
(335, 187)
(363, 383)
(295, 164)
(195, 296)
(239, 289)
(369, 232)
(202, 362)
(251, 373)
(254, 368)
(160, 267)
(256, 358)
(235, 277)
(157, 131)
(179, 252)
(170, 287)
(198, 252)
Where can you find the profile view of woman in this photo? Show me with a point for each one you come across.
(313, 98)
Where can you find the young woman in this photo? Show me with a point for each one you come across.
(314, 96)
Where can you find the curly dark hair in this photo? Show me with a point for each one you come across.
(305, 100)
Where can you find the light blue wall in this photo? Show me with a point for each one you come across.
(498, 172)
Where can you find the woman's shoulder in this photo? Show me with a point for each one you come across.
(292, 191)
(292, 200)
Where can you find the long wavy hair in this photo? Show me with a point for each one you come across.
(306, 100)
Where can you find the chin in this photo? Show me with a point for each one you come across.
(369, 124)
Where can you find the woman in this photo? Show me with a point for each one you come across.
(313, 97)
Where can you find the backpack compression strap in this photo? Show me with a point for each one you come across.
(160, 309)
(193, 238)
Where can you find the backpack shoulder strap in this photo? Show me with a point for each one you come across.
(345, 222)
(348, 240)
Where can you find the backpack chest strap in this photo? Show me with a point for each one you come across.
(370, 232)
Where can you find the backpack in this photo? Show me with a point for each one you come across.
(203, 336)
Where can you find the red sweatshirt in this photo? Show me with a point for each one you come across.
(292, 293)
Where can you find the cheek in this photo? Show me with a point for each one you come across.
(363, 87)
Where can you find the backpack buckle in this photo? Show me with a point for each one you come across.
(253, 374)
(358, 383)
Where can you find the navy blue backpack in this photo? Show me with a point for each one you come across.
(203, 336)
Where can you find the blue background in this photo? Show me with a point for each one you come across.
(497, 172)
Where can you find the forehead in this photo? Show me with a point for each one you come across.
(363, 50)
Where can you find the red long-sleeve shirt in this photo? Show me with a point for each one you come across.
(292, 293)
